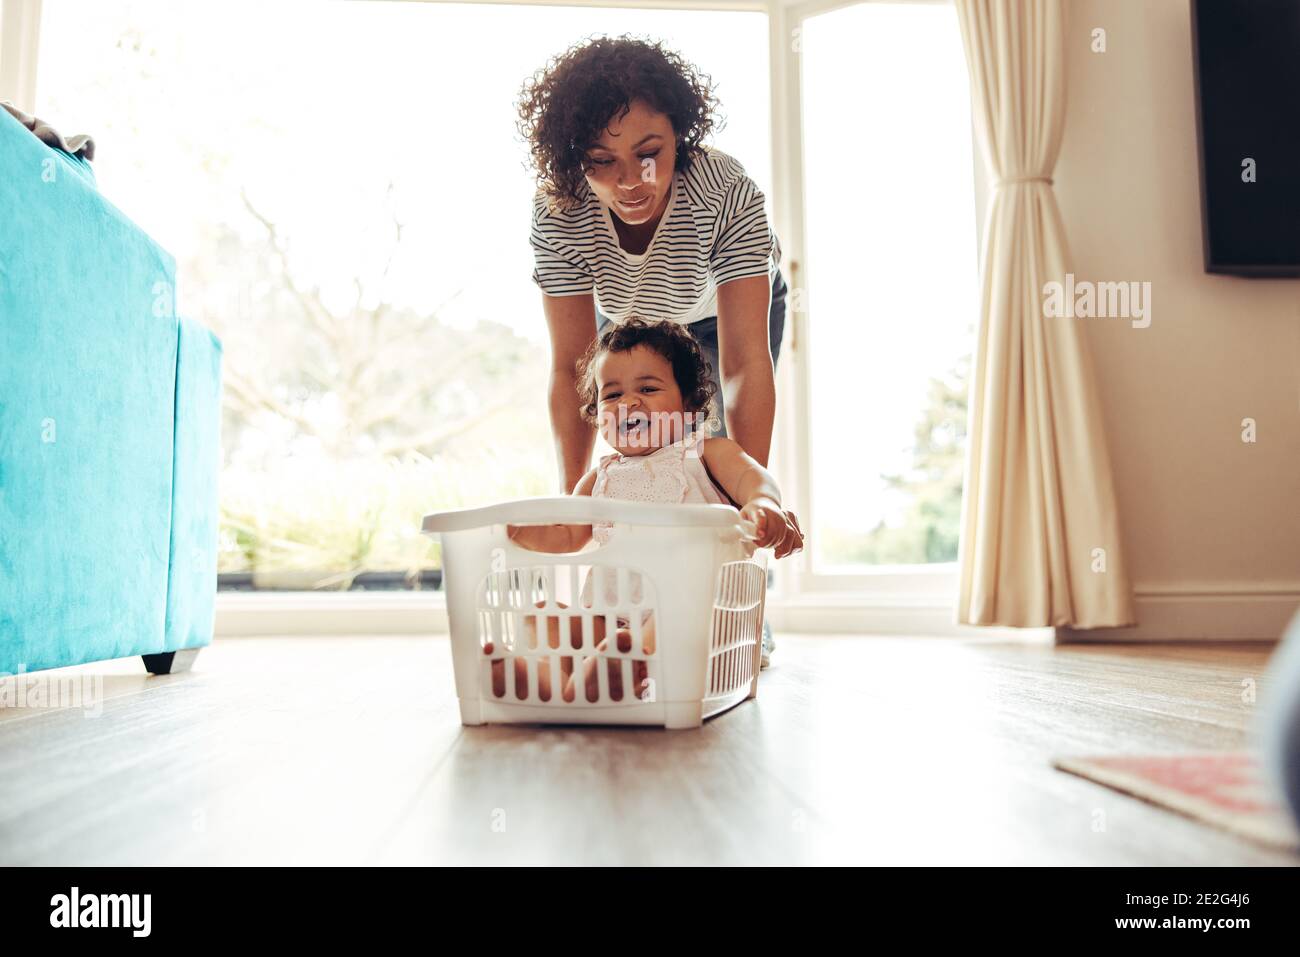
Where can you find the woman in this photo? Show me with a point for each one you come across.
(634, 217)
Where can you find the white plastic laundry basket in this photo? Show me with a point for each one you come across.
(685, 567)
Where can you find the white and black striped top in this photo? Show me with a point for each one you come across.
(713, 230)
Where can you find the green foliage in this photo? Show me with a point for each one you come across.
(344, 422)
(321, 523)
(933, 486)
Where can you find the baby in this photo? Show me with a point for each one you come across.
(646, 387)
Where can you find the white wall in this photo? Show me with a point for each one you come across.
(1212, 525)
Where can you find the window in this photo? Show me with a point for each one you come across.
(347, 199)
(893, 283)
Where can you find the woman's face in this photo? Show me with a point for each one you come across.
(639, 404)
(633, 162)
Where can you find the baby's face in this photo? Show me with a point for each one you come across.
(638, 403)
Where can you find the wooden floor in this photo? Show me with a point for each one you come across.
(863, 750)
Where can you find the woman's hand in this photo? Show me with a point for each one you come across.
(775, 527)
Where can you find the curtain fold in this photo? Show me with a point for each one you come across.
(1040, 533)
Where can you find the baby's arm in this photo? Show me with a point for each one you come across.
(753, 487)
(559, 537)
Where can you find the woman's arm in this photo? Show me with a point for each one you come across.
(572, 323)
(745, 357)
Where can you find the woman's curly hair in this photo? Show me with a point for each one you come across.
(672, 341)
(566, 106)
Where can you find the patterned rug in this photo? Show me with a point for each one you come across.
(1226, 789)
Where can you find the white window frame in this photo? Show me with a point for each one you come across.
(917, 598)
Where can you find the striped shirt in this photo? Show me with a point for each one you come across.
(714, 229)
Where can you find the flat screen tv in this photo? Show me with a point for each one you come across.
(1246, 60)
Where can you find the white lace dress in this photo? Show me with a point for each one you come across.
(673, 473)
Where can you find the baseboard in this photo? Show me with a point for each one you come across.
(242, 614)
(1202, 611)
(1185, 612)
(245, 614)
(848, 614)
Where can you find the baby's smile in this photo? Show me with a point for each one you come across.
(639, 400)
(636, 426)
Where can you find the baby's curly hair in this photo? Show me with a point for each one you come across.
(672, 341)
(565, 106)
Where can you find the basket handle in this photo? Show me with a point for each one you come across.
(583, 510)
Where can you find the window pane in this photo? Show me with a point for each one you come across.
(346, 195)
(892, 281)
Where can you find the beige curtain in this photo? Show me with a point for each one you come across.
(1040, 538)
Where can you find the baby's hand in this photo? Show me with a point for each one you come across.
(541, 538)
(768, 518)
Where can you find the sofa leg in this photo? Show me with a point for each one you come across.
(170, 662)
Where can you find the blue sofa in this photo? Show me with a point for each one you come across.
(109, 429)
